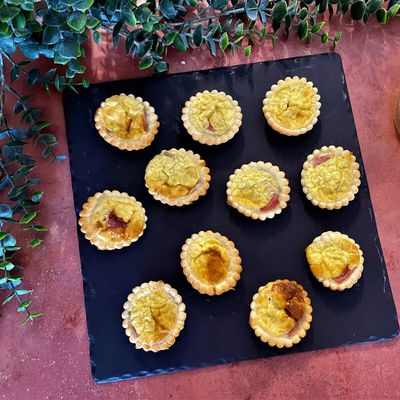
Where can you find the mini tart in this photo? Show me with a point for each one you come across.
(258, 190)
(211, 263)
(212, 117)
(153, 316)
(281, 313)
(292, 106)
(112, 220)
(336, 260)
(126, 122)
(330, 177)
(177, 177)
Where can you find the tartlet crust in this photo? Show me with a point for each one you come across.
(301, 329)
(199, 190)
(210, 139)
(170, 339)
(353, 278)
(91, 234)
(235, 267)
(274, 124)
(137, 143)
(282, 182)
(335, 151)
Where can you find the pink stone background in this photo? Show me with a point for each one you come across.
(50, 359)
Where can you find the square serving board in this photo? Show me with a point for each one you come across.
(217, 330)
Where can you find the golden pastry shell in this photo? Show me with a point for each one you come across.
(335, 151)
(212, 139)
(235, 267)
(275, 125)
(194, 195)
(300, 332)
(283, 184)
(136, 143)
(353, 278)
(170, 339)
(90, 232)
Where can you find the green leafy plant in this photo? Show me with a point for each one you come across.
(58, 29)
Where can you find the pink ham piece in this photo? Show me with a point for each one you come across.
(344, 276)
(272, 204)
(114, 222)
(320, 160)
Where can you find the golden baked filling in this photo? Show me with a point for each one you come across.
(123, 117)
(153, 314)
(209, 260)
(172, 174)
(333, 258)
(293, 104)
(117, 218)
(278, 308)
(212, 113)
(255, 188)
(330, 178)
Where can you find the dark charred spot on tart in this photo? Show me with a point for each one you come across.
(295, 305)
(113, 221)
(320, 160)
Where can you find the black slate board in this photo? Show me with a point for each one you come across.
(216, 330)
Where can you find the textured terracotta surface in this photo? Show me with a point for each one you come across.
(50, 359)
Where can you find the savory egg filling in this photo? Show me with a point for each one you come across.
(209, 260)
(333, 257)
(255, 188)
(123, 116)
(292, 105)
(117, 218)
(212, 114)
(172, 174)
(330, 178)
(279, 307)
(153, 314)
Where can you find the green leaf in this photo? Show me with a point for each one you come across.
(22, 292)
(239, 30)
(28, 217)
(324, 37)
(224, 41)
(130, 18)
(146, 62)
(211, 45)
(35, 242)
(9, 298)
(8, 13)
(169, 38)
(24, 305)
(279, 12)
(393, 10)
(381, 16)
(85, 84)
(68, 48)
(92, 23)
(303, 13)
(357, 10)
(262, 32)
(6, 265)
(167, 9)
(5, 211)
(77, 20)
(3, 235)
(97, 37)
(178, 44)
(338, 36)
(302, 30)
(27, 6)
(36, 197)
(317, 27)
(33, 77)
(83, 5)
(142, 13)
(53, 18)
(51, 35)
(198, 36)
(247, 51)
(161, 67)
(251, 9)
(373, 6)
(193, 3)
(30, 49)
(76, 66)
(219, 4)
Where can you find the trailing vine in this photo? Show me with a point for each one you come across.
(58, 29)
